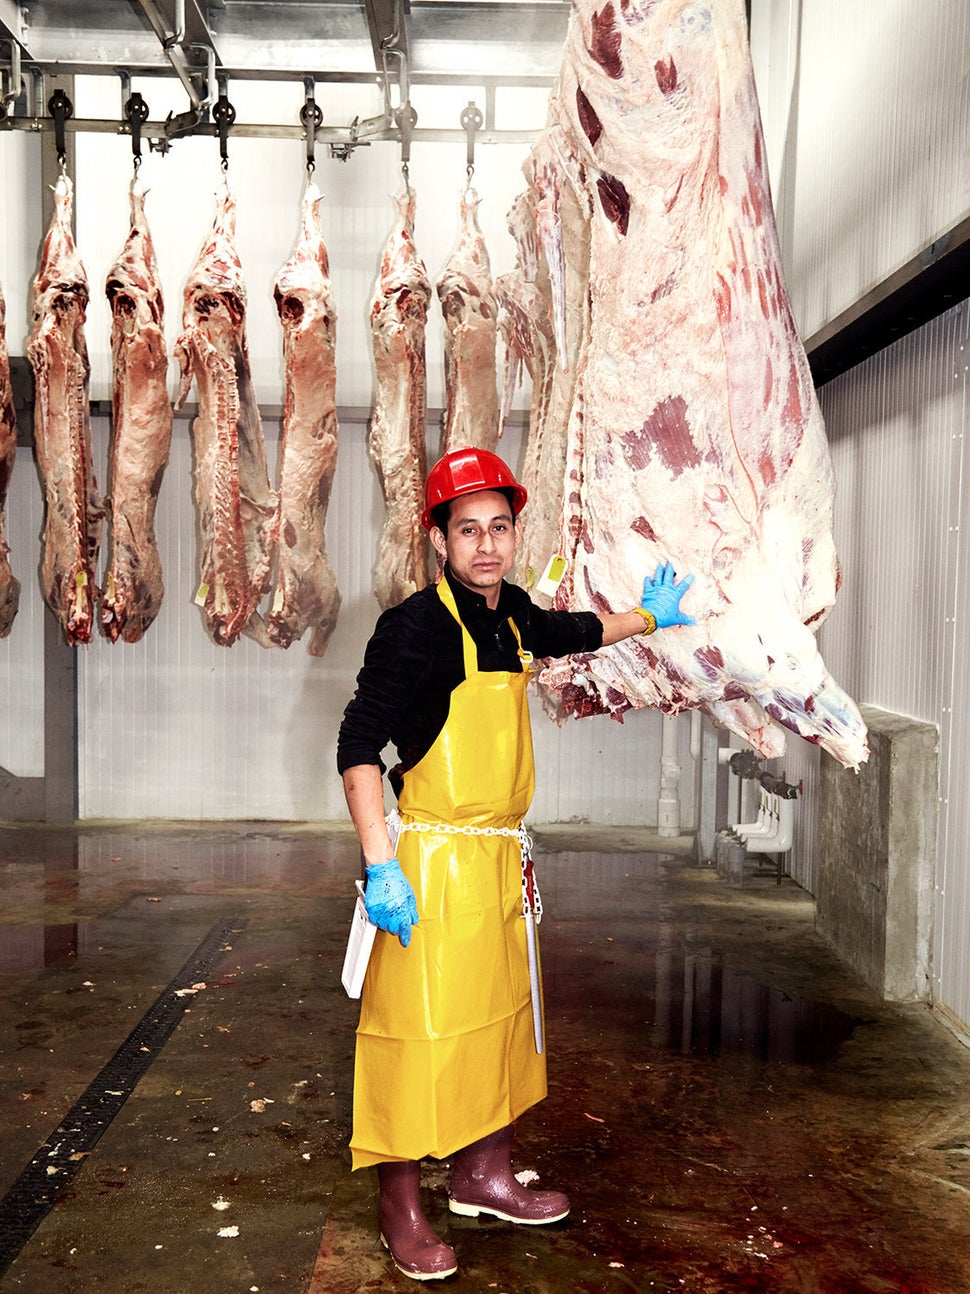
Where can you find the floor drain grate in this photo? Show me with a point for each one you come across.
(48, 1174)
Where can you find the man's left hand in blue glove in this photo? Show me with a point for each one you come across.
(659, 608)
(661, 597)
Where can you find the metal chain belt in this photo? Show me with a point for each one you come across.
(516, 833)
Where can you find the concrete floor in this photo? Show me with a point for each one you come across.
(729, 1108)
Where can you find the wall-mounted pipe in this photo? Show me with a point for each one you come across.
(781, 835)
(695, 735)
(668, 803)
(13, 91)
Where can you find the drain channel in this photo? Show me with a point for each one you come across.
(48, 1174)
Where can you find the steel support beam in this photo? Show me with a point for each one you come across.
(182, 23)
(929, 284)
(12, 24)
(388, 30)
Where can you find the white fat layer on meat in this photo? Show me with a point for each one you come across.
(689, 430)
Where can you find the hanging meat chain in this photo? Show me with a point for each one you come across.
(694, 433)
(471, 327)
(398, 316)
(306, 593)
(237, 508)
(62, 428)
(141, 431)
(9, 586)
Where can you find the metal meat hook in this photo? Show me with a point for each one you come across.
(406, 118)
(311, 118)
(60, 108)
(136, 110)
(471, 123)
(223, 114)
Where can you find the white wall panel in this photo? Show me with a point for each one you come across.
(898, 636)
(597, 770)
(20, 224)
(22, 651)
(867, 128)
(175, 727)
(800, 767)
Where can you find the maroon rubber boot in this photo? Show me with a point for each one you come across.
(482, 1181)
(405, 1231)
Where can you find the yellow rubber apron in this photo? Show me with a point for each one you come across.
(445, 1046)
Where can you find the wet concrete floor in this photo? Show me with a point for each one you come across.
(729, 1108)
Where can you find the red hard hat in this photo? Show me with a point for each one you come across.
(465, 471)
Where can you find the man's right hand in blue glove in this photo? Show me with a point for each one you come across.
(390, 900)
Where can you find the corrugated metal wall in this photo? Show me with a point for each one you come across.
(898, 425)
(867, 118)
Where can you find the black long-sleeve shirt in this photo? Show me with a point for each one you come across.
(414, 660)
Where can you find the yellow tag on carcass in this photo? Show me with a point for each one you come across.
(202, 594)
(552, 576)
(81, 579)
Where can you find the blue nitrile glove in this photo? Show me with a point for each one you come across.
(661, 597)
(390, 901)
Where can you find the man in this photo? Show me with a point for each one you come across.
(447, 1046)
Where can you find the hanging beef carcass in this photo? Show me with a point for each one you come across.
(398, 316)
(553, 334)
(525, 325)
(9, 585)
(470, 313)
(62, 426)
(694, 431)
(237, 508)
(141, 433)
(306, 590)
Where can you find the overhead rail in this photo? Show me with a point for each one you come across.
(190, 50)
(330, 40)
(343, 139)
